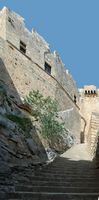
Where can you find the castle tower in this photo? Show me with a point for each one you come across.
(89, 104)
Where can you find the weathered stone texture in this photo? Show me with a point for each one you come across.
(37, 49)
(23, 73)
(37, 53)
(88, 104)
(89, 107)
(26, 72)
(3, 23)
(93, 133)
(71, 118)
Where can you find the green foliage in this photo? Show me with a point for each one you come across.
(40, 104)
(24, 123)
(45, 111)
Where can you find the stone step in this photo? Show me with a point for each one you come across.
(62, 177)
(51, 196)
(65, 166)
(65, 175)
(62, 172)
(65, 170)
(95, 122)
(93, 128)
(54, 183)
(51, 183)
(54, 176)
(58, 189)
(71, 169)
(61, 182)
(78, 172)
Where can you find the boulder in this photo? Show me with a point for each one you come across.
(32, 146)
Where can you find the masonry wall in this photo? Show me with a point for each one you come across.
(93, 133)
(24, 73)
(27, 75)
(88, 105)
(37, 49)
(71, 119)
(3, 23)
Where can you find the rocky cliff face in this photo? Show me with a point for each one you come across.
(20, 144)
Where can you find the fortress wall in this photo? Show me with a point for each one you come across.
(71, 119)
(27, 76)
(88, 105)
(62, 75)
(70, 86)
(26, 72)
(3, 23)
(37, 49)
(93, 134)
(16, 32)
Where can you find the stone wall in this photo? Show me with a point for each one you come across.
(3, 23)
(24, 72)
(37, 49)
(71, 119)
(88, 104)
(93, 133)
(27, 75)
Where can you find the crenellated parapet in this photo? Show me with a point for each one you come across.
(25, 46)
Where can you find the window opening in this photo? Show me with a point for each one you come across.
(11, 21)
(22, 47)
(88, 91)
(75, 100)
(47, 68)
(94, 92)
(85, 91)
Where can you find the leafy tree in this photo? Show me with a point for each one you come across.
(45, 110)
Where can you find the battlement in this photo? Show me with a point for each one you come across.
(13, 27)
(34, 47)
(89, 91)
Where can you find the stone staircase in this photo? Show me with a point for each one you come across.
(93, 133)
(70, 177)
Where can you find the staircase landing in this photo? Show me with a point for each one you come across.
(77, 152)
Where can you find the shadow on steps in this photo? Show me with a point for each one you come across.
(62, 179)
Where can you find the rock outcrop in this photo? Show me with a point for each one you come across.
(19, 143)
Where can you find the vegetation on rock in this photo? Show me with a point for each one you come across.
(24, 123)
(45, 110)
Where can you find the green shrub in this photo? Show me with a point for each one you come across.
(24, 123)
(45, 110)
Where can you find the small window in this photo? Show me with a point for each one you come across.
(94, 91)
(22, 47)
(85, 91)
(48, 68)
(88, 91)
(75, 100)
(11, 21)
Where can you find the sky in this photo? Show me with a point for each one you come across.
(71, 27)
